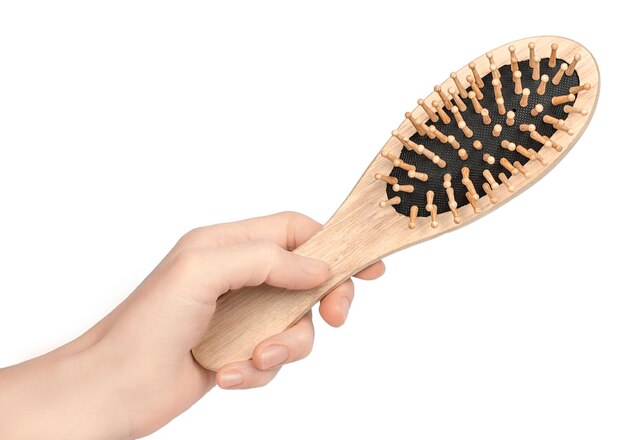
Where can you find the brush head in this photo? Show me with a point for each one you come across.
(506, 118)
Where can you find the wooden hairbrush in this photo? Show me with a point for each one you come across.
(488, 132)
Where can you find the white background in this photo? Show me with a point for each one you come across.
(124, 124)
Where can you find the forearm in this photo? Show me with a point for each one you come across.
(61, 395)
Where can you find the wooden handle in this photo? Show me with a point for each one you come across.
(247, 316)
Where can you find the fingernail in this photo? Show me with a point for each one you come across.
(273, 356)
(231, 379)
(345, 307)
(313, 266)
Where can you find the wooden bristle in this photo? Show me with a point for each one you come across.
(420, 149)
(539, 138)
(474, 86)
(509, 166)
(526, 153)
(429, 111)
(415, 124)
(492, 198)
(495, 73)
(572, 65)
(536, 110)
(538, 157)
(514, 65)
(536, 69)
(507, 145)
(458, 85)
(403, 188)
(477, 145)
(500, 104)
(554, 145)
(457, 99)
(387, 179)
(524, 101)
(393, 201)
(457, 115)
(417, 175)
(489, 177)
(439, 135)
(510, 118)
(452, 141)
(497, 88)
(553, 49)
(558, 100)
(559, 74)
(391, 158)
(486, 117)
(433, 217)
(441, 112)
(466, 130)
(571, 109)
(497, 129)
(489, 56)
(465, 171)
(541, 90)
(430, 197)
(517, 79)
(446, 102)
(473, 202)
(427, 131)
(463, 154)
(477, 77)
(505, 182)
(413, 216)
(521, 168)
(527, 127)
(531, 55)
(489, 158)
(475, 102)
(580, 88)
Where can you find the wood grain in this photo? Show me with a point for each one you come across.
(361, 232)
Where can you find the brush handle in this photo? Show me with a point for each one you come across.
(245, 317)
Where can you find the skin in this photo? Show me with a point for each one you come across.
(133, 372)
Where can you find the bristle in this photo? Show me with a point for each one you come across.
(526, 153)
(457, 99)
(486, 117)
(452, 141)
(490, 194)
(505, 182)
(553, 49)
(463, 154)
(527, 127)
(531, 54)
(468, 182)
(511, 52)
(495, 73)
(536, 69)
(441, 112)
(517, 79)
(572, 65)
(524, 101)
(413, 216)
(489, 158)
(446, 102)
(556, 80)
(439, 135)
(509, 166)
(458, 85)
(426, 129)
(536, 110)
(477, 107)
(433, 217)
(387, 179)
(497, 129)
(450, 193)
(391, 158)
(489, 177)
(500, 104)
(539, 138)
(391, 202)
(477, 145)
(510, 118)
(420, 149)
(559, 124)
(507, 145)
(397, 135)
(430, 197)
(477, 77)
(417, 175)
(415, 124)
(489, 56)
(470, 198)
(403, 188)
(539, 157)
(558, 100)
(514, 65)
(466, 130)
(553, 144)
(580, 88)
(542, 85)
(431, 114)
(457, 115)
(497, 88)
(474, 86)
(571, 109)
(518, 165)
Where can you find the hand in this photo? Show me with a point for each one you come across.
(133, 371)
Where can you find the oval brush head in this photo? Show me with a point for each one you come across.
(486, 133)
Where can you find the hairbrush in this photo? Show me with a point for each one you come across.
(488, 132)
